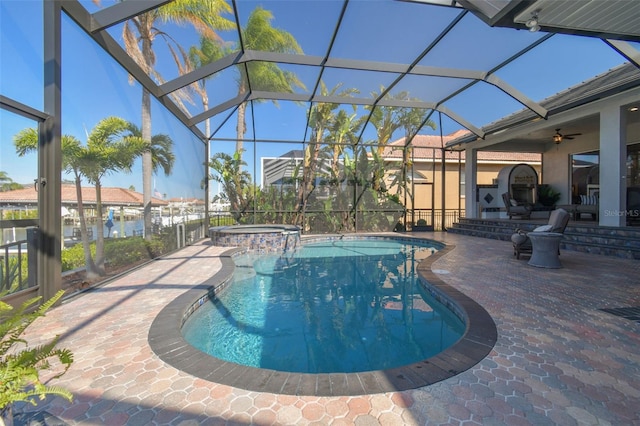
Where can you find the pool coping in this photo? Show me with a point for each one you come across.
(167, 342)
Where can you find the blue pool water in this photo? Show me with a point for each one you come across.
(335, 306)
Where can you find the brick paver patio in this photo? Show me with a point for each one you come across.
(559, 359)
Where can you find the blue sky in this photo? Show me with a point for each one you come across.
(95, 87)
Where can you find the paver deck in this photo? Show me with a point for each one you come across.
(559, 358)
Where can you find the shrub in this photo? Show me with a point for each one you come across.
(125, 251)
(73, 257)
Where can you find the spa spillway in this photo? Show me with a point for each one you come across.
(262, 238)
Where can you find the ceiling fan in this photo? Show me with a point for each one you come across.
(559, 137)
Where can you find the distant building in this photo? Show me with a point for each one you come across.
(27, 197)
(280, 171)
(186, 204)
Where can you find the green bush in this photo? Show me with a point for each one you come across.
(73, 257)
(125, 251)
(121, 252)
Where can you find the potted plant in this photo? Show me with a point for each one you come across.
(547, 196)
(20, 364)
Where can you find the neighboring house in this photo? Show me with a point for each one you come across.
(27, 198)
(426, 177)
(186, 204)
(280, 171)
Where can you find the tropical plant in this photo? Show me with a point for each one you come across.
(386, 121)
(111, 146)
(209, 51)
(6, 183)
(139, 35)
(259, 35)
(236, 182)
(411, 120)
(26, 141)
(162, 156)
(21, 366)
(343, 131)
(547, 196)
(321, 117)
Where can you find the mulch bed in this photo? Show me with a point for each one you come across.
(77, 281)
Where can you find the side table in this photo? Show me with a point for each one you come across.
(545, 249)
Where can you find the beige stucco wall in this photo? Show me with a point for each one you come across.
(486, 174)
(556, 162)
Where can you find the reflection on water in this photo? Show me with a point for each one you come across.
(331, 307)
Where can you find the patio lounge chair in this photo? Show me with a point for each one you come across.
(516, 209)
(558, 220)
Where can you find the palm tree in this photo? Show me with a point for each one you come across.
(260, 35)
(385, 119)
(140, 32)
(26, 141)
(320, 118)
(6, 183)
(162, 156)
(209, 51)
(342, 131)
(411, 120)
(236, 182)
(111, 147)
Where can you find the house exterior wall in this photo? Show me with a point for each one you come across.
(454, 172)
(556, 170)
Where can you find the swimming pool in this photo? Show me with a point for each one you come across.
(168, 343)
(339, 306)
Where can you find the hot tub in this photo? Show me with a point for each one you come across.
(261, 238)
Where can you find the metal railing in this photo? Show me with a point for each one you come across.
(432, 218)
(18, 264)
(417, 219)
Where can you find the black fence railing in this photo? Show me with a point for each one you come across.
(431, 220)
(338, 221)
(18, 268)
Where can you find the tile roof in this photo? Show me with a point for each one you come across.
(423, 150)
(110, 196)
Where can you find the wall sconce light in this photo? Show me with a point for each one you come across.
(532, 23)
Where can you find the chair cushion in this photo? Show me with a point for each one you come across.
(513, 202)
(558, 220)
(518, 238)
(588, 200)
(543, 228)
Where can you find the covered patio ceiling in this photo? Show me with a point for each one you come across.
(466, 63)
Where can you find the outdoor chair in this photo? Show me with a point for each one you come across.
(558, 220)
(515, 209)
